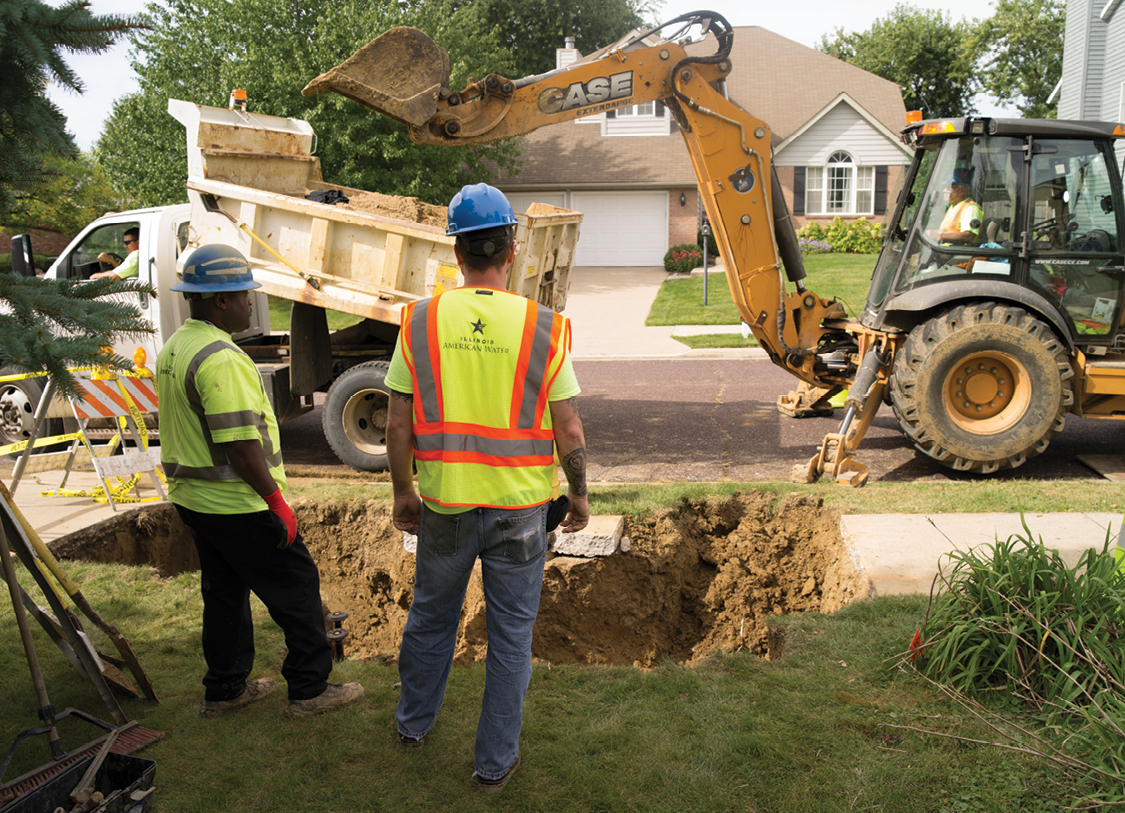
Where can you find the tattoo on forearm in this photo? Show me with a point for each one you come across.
(574, 467)
(402, 396)
(574, 405)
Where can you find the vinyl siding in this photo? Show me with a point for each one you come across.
(840, 129)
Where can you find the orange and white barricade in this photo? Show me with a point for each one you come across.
(124, 400)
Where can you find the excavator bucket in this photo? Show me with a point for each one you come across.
(401, 74)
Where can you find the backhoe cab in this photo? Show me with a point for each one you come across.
(1000, 287)
(996, 303)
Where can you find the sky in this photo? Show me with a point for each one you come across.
(108, 76)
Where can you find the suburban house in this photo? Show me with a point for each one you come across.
(835, 137)
(1093, 75)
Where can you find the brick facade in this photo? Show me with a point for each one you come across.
(682, 220)
(42, 242)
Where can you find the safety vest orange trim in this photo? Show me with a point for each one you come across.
(522, 442)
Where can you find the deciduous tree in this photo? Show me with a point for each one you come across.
(199, 50)
(1021, 49)
(922, 51)
(74, 191)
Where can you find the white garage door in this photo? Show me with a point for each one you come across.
(521, 200)
(622, 228)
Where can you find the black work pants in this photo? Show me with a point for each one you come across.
(238, 554)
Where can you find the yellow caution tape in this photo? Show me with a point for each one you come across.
(12, 448)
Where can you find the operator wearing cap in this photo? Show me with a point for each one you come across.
(482, 393)
(220, 448)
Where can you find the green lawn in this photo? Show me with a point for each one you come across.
(279, 316)
(680, 301)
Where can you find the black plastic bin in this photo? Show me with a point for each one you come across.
(125, 781)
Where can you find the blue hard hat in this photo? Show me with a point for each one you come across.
(961, 176)
(479, 206)
(216, 268)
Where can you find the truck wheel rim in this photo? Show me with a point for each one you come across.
(17, 416)
(365, 421)
(987, 392)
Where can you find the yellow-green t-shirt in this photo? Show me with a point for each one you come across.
(211, 393)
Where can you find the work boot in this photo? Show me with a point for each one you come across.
(255, 690)
(336, 696)
(495, 785)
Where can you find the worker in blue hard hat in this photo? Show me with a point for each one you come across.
(482, 393)
(221, 452)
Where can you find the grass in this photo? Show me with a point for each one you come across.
(680, 301)
(832, 723)
(279, 316)
(636, 499)
(807, 732)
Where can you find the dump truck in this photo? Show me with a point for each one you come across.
(250, 178)
(983, 342)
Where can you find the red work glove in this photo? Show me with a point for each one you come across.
(276, 503)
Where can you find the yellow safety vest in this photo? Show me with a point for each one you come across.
(482, 362)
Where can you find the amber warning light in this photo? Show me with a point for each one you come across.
(939, 127)
(913, 116)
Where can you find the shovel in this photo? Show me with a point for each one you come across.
(401, 73)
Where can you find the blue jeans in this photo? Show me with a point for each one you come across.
(511, 545)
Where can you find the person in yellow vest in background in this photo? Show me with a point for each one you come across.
(483, 391)
(221, 452)
(962, 220)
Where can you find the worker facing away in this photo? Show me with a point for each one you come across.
(220, 448)
(483, 391)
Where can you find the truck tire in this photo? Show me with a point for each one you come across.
(982, 387)
(355, 416)
(18, 401)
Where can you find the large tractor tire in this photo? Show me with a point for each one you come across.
(18, 401)
(982, 387)
(355, 416)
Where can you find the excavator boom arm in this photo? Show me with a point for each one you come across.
(404, 75)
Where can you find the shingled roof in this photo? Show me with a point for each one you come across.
(778, 80)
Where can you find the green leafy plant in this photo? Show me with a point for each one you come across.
(683, 259)
(859, 236)
(1014, 622)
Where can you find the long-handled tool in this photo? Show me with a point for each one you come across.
(38, 557)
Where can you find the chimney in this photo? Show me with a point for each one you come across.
(567, 56)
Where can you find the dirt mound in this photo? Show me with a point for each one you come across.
(698, 577)
(411, 210)
(152, 536)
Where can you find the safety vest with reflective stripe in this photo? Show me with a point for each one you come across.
(211, 393)
(482, 363)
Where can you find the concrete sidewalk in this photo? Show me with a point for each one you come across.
(608, 307)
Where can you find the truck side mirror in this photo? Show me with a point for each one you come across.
(23, 262)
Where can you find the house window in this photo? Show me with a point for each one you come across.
(648, 109)
(840, 187)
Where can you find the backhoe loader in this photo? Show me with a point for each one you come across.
(981, 340)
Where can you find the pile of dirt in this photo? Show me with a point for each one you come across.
(699, 577)
(411, 210)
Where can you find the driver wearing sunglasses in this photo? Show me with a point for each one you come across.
(122, 269)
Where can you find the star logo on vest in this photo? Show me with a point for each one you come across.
(478, 327)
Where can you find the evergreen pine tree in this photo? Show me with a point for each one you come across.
(33, 36)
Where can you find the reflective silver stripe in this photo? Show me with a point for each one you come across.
(226, 472)
(423, 364)
(220, 468)
(233, 420)
(494, 447)
(536, 368)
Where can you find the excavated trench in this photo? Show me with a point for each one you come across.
(698, 577)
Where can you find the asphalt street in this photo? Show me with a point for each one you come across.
(716, 419)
